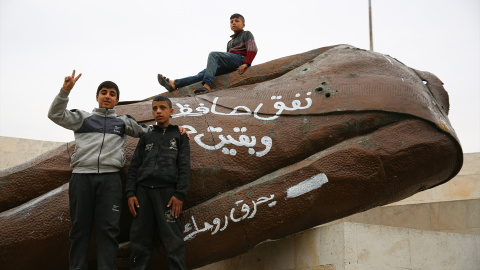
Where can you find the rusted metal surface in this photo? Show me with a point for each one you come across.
(345, 131)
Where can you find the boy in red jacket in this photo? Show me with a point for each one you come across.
(241, 50)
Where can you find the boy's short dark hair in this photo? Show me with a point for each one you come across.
(236, 15)
(109, 84)
(162, 98)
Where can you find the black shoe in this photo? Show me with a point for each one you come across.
(165, 82)
(201, 91)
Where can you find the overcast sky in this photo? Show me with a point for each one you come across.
(129, 42)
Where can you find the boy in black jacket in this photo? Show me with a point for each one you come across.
(157, 184)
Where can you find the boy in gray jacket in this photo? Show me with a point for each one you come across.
(95, 190)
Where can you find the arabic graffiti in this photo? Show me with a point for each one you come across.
(243, 140)
(245, 209)
(185, 109)
(310, 184)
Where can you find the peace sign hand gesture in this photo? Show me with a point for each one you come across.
(70, 81)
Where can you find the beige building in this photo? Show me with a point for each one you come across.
(432, 230)
(14, 151)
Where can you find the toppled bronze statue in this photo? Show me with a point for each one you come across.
(291, 144)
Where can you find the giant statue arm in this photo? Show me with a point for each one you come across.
(290, 144)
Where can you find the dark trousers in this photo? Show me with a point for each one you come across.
(94, 197)
(154, 214)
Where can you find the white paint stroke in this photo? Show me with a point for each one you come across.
(306, 186)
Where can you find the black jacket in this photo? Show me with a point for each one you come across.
(161, 159)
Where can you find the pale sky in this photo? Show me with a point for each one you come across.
(129, 42)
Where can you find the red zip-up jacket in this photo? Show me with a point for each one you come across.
(243, 43)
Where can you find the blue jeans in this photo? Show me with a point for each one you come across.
(218, 63)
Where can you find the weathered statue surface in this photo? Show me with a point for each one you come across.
(291, 144)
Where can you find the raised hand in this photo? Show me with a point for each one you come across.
(70, 81)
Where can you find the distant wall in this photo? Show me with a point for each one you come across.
(14, 151)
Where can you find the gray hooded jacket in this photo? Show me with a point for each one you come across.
(99, 135)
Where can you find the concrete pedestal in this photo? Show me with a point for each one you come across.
(355, 246)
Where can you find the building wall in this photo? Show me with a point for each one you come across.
(14, 151)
